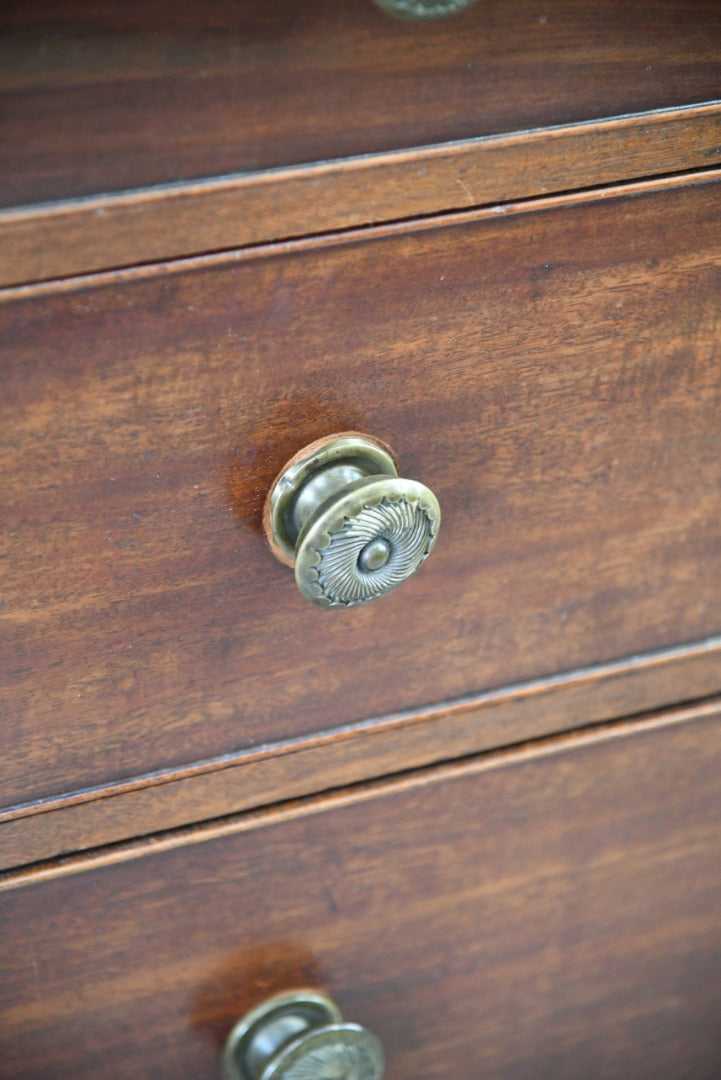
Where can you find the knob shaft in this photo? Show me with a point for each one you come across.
(300, 1036)
(352, 528)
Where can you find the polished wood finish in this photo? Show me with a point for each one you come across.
(33, 290)
(105, 95)
(358, 752)
(207, 260)
(82, 235)
(551, 912)
(570, 356)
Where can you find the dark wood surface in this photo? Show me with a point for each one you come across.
(553, 376)
(388, 745)
(88, 234)
(103, 95)
(550, 913)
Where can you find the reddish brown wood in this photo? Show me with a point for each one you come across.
(552, 376)
(103, 95)
(49, 241)
(545, 914)
(304, 766)
(295, 245)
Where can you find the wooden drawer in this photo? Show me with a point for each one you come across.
(115, 95)
(551, 375)
(133, 135)
(549, 913)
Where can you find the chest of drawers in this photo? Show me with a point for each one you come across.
(481, 812)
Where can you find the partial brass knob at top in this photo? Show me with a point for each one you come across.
(352, 528)
(300, 1036)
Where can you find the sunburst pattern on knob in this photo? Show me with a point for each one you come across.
(350, 1054)
(375, 551)
(366, 541)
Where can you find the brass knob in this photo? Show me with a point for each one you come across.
(423, 9)
(352, 528)
(300, 1036)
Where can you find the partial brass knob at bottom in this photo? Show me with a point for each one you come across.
(349, 524)
(301, 1036)
(423, 9)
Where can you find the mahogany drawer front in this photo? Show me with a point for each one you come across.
(104, 96)
(553, 376)
(545, 913)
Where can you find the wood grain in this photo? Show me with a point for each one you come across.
(567, 896)
(358, 752)
(82, 235)
(553, 376)
(105, 95)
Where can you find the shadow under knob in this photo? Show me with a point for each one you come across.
(352, 528)
(300, 1036)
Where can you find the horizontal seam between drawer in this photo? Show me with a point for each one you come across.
(401, 781)
(638, 664)
(293, 243)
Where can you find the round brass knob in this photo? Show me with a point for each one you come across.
(300, 1036)
(352, 528)
(423, 9)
